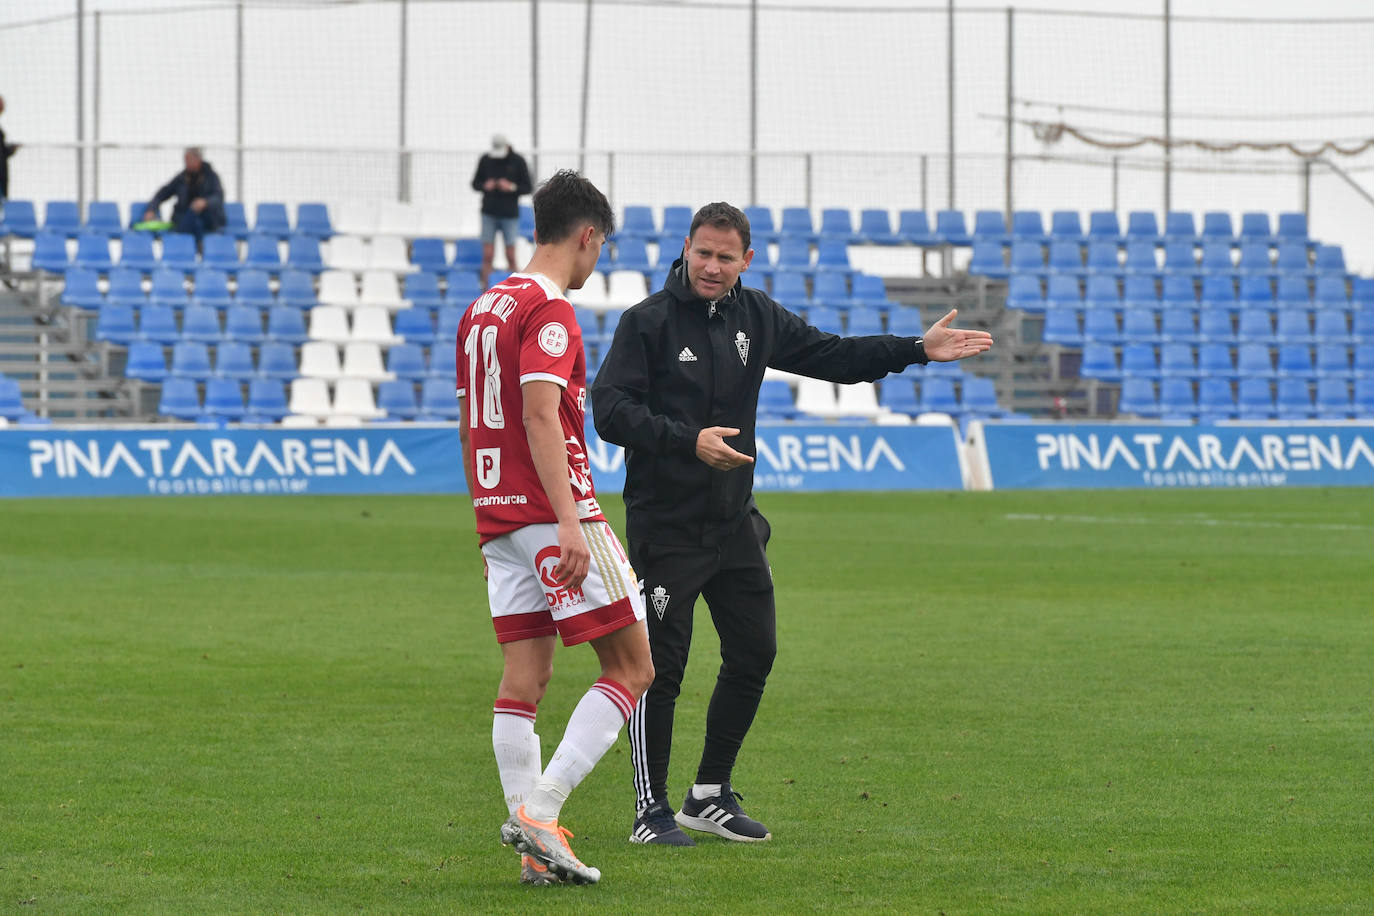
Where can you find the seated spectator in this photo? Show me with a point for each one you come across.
(199, 207)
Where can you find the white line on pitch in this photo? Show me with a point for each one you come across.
(1201, 521)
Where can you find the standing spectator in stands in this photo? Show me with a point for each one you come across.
(6, 151)
(200, 197)
(502, 177)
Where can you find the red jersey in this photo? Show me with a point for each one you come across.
(521, 330)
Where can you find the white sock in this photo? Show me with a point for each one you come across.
(517, 750)
(703, 791)
(592, 729)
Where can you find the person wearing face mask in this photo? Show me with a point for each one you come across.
(679, 389)
(503, 178)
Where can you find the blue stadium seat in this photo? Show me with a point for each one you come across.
(277, 358)
(824, 319)
(428, 254)
(1364, 397)
(1333, 361)
(1066, 226)
(1138, 361)
(905, 321)
(81, 289)
(115, 324)
(796, 224)
(1027, 257)
(1254, 399)
(439, 399)
(1104, 258)
(158, 323)
(833, 255)
(775, 401)
(179, 399)
(863, 322)
(296, 290)
(987, 259)
(1219, 292)
(1295, 360)
(1255, 327)
(990, 226)
(407, 361)
(1177, 360)
(50, 253)
(1138, 325)
(136, 252)
(1254, 360)
(1330, 293)
(937, 396)
(638, 222)
(632, 253)
(1176, 400)
(312, 219)
(1215, 400)
(102, 217)
(832, 289)
(1294, 327)
(1180, 258)
(286, 324)
(179, 252)
(1024, 293)
(789, 291)
(272, 220)
(220, 252)
(794, 253)
(1214, 326)
(201, 323)
(1100, 326)
(397, 398)
(236, 220)
(1333, 398)
(415, 324)
(1099, 362)
(1066, 256)
(1294, 400)
(1362, 326)
(19, 219)
(898, 395)
(1254, 227)
(978, 396)
(1216, 226)
(62, 217)
(126, 287)
(262, 252)
(267, 399)
(1103, 226)
(1330, 327)
(234, 359)
(224, 398)
(212, 288)
(136, 211)
(1179, 227)
(869, 291)
(1026, 225)
(467, 255)
(838, 223)
(1256, 293)
(1061, 327)
(1062, 292)
(253, 289)
(1178, 292)
(244, 323)
(1138, 397)
(443, 361)
(1178, 325)
(1140, 259)
(11, 400)
(422, 290)
(446, 331)
(1139, 292)
(1141, 226)
(146, 361)
(1214, 361)
(1255, 259)
(191, 359)
(1216, 258)
(1292, 291)
(1292, 227)
(526, 222)
(950, 228)
(1102, 292)
(875, 228)
(93, 252)
(677, 220)
(913, 227)
(762, 230)
(1291, 259)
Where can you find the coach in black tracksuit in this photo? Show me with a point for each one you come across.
(681, 377)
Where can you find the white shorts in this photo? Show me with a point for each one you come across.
(526, 601)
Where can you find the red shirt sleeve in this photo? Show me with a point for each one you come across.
(549, 342)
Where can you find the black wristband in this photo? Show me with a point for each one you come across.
(921, 351)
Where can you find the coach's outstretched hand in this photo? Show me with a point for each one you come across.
(945, 344)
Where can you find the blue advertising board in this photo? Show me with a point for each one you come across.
(191, 461)
(1030, 456)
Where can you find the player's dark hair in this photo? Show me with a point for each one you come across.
(564, 203)
(721, 215)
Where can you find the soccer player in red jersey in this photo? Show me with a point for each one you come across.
(554, 567)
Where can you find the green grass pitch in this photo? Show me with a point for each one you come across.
(983, 703)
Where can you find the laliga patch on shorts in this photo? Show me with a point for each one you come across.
(553, 339)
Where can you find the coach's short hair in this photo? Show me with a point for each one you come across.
(564, 202)
(722, 216)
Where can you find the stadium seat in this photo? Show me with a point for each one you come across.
(1255, 327)
(1138, 398)
(421, 290)
(1027, 257)
(443, 362)
(1331, 327)
(429, 254)
(858, 400)
(1023, 293)
(234, 359)
(1101, 292)
(158, 323)
(310, 398)
(794, 253)
(1178, 292)
(1328, 259)
(253, 289)
(913, 227)
(1065, 257)
(1138, 360)
(329, 323)
(1103, 226)
(277, 358)
(1292, 291)
(1294, 327)
(62, 217)
(1291, 258)
(831, 289)
(236, 220)
(1140, 259)
(832, 255)
(1216, 226)
(267, 399)
(81, 289)
(1215, 400)
(201, 323)
(775, 401)
(312, 219)
(1104, 259)
(838, 223)
(346, 253)
(950, 228)
(372, 325)
(19, 219)
(320, 359)
(406, 361)
(875, 228)
(1176, 400)
(677, 220)
(1138, 325)
(1362, 326)
(389, 252)
(338, 287)
(442, 221)
(762, 228)
(447, 330)
(1292, 227)
(380, 288)
(863, 322)
(136, 252)
(356, 217)
(824, 319)
(978, 396)
(1256, 293)
(467, 255)
(224, 398)
(180, 399)
(115, 324)
(297, 290)
(1214, 361)
(905, 321)
(1295, 360)
(272, 220)
(397, 399)
(1219, 292)
(1180, 261)
(1139, 292)
(1176, 361)
(638, 222)
(1254, 360)
(1333, 361)
(1217, 258)
(1099, 362)
(1027, 226)
(990, 226)
(179, 253)
(438, 399)
(50, 253)
(264, 253)
(1364, 397)
(1255, 259)
(220, 252)
(1141, 226)
(1330, 293)
(1066, 226)
(191, 359)
(1333, 399)
(1254, 227)
(796, 224)
(896, 394)
(1254, 400)
(415, 324)
(146, 361)
(869, 291)
(1061, 327)
(987, 259)
(364, 361)
(93, 252)
(1179, 227)
(211, 288)
(937, 396)
(286, 324)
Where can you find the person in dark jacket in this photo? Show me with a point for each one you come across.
(681, 378)
(6, 151)
(199, 207)
(503, 177)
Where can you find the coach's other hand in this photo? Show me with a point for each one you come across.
(945, 344)
(711, 448)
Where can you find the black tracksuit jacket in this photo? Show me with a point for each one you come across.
(677, 365)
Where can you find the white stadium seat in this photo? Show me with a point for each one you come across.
(592, 295)
(353, 398)
(395, 218)
(816, 397)
(380, 288)
(364, 361)
(329, 323)
(346, 252)
(859, 400)
(372, 324)
(338, 287)
(389, 252)
(319, 360)
(310, 397)
(626, 288)
(440, 221)
(355, 217)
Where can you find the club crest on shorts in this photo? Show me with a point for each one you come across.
(660, 599)
(742, 345)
